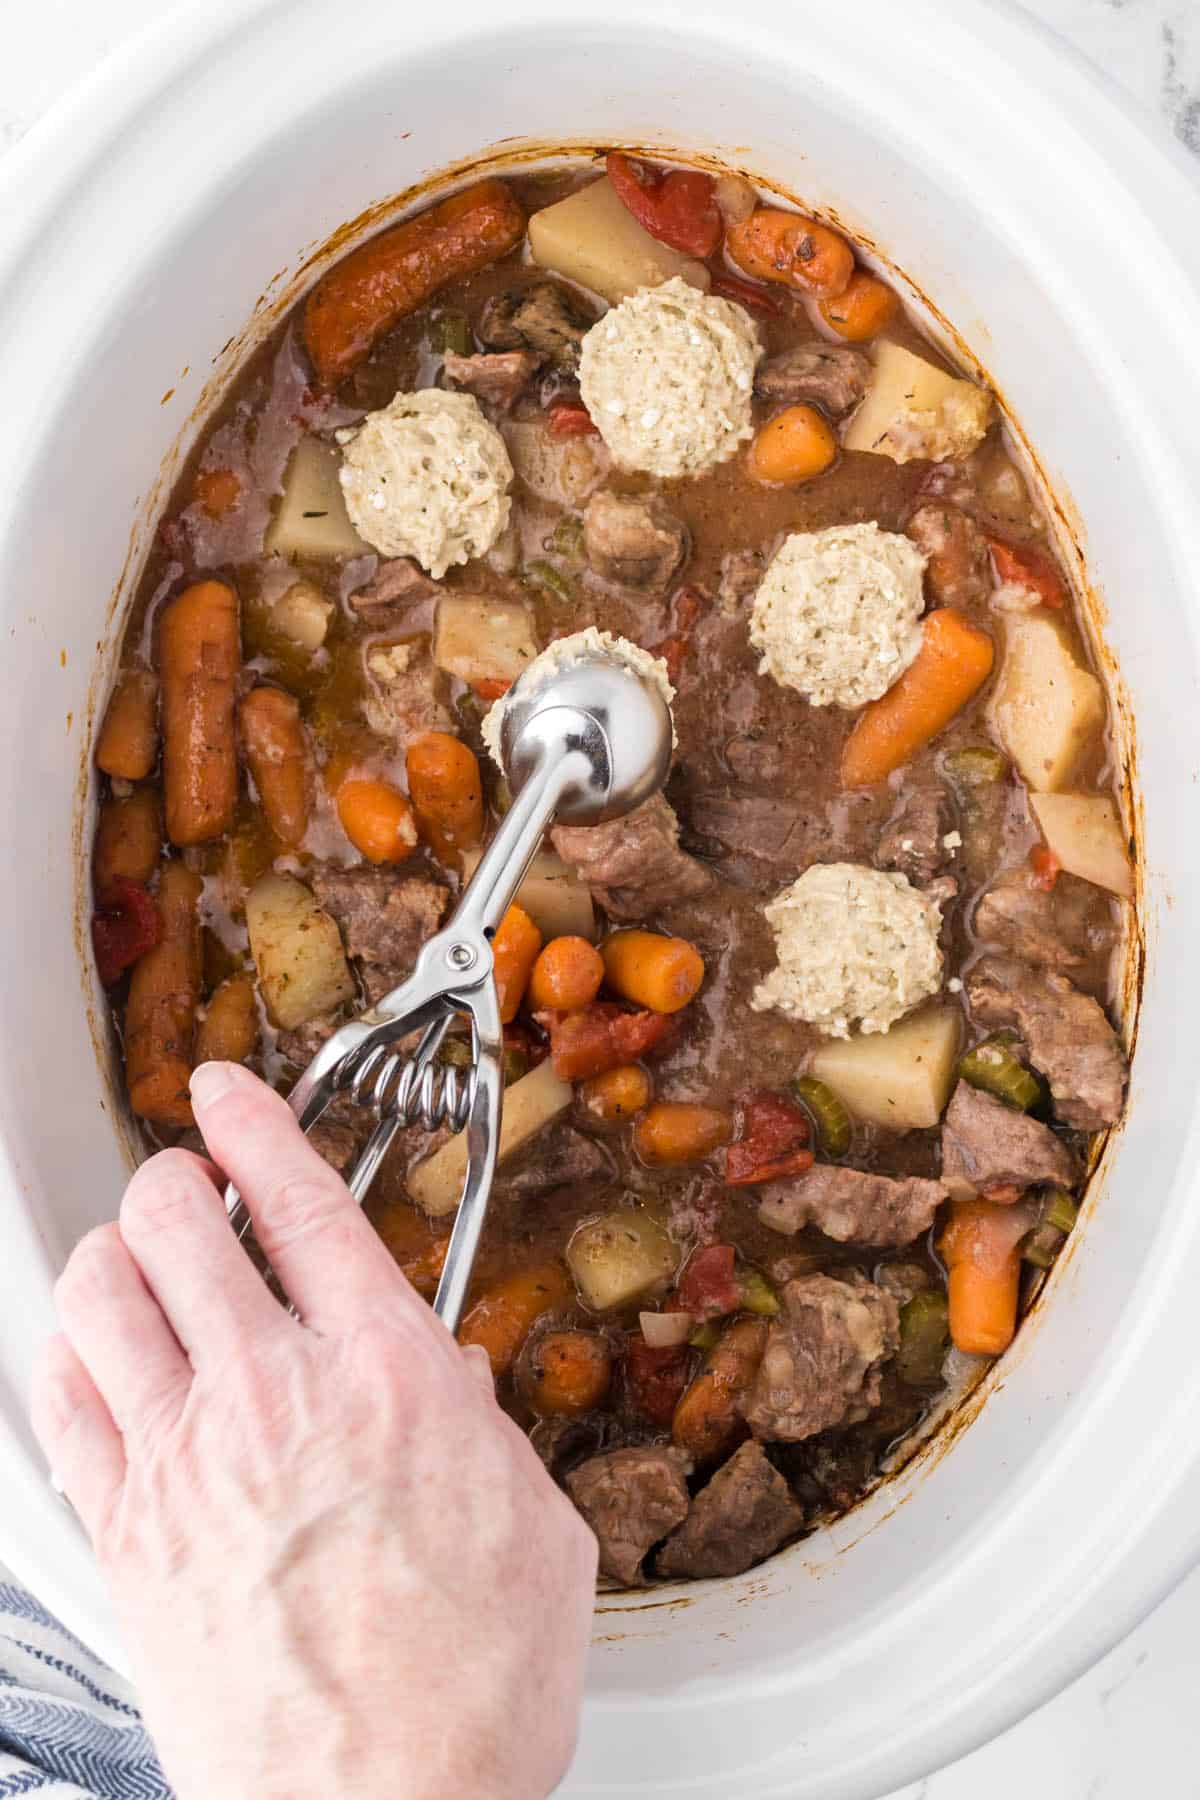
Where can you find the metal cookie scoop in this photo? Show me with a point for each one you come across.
(582, 742)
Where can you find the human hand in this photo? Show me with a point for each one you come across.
(339, 1567)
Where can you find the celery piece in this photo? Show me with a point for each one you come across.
(924, 1334)
(993, 1067)
(545, 575)
(451, 331)
(828, 1114)
(758, 1296)
(975, 766)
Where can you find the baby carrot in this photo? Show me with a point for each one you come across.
(446, 792)
(787, 247)
(127, 746)
(161, 1011)
(862, 309)
(657, 972)
(377, 819)
(514, 948)
(502, 1318)
(367, 292)
(567, 975)
(796, 445)
(199, 659)
(273, 741)
(954, 661)
(569, 1372)
(680, 1131)
(981, 1249)
(228, 1032)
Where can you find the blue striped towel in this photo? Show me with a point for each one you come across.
(69, 1728)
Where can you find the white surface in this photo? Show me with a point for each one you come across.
(1128, 1724)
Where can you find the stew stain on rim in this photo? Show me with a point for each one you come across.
(922, 1452)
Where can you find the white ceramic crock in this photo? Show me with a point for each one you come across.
(139, 229)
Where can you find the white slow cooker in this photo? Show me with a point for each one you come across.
(151, 229)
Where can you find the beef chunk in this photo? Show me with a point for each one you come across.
(544, 317)
(633, 540)
(958, 570)
(741, 572)
(1052, 928)
(990, 489)
(558, 1157)
(758, 826)
(402, 699)
(987, 1144)
(851, 1206)
(744, 1514)
(904, 1279)
(819, 374)
(1069, 1039)
(301, 1044)
(631, 1499)
(758, 759)
(384, 917)
(339, 1142)
(823, 1357)
(634, 865)
(912, 840)
(499, 379)
(399, 582)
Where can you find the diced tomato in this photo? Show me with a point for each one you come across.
(636, 1034)
(1025, 566)
(491, 688)
(708, 1286)
(655, 1379)
(676, 206)
(774, 1134)
(601, 1037)
(567, 420)
(754, 299)
(1045, 866)
(686, 608)
(124, 929)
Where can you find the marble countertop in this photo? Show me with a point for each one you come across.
(1132, 1724)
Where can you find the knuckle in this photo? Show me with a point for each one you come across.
(89, 1265)
(161, 1196)
(301, 1204)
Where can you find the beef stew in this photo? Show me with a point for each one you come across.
(804, 1057)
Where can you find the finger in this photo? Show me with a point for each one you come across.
(479, 1367)
(174, 1224)
(77, 1433)
(117, 1329)
(329, 1259)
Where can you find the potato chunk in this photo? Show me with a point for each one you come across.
(529, 1105)
(559, 904)
(591, 237)
(302, 615)
(1045, 706)
(311, 519)
(1085, 833)
(297, 950)
(913, 409)
(619, 1257)
(900, 1078)
(479, 639)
